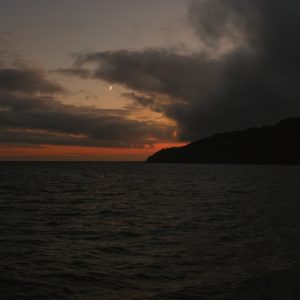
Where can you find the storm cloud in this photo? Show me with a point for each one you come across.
(246, 74)
(31, 113)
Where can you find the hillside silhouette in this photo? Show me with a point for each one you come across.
(274, 144)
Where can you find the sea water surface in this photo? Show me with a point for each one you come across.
(149, 231)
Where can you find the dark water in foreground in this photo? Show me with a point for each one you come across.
(139, 231)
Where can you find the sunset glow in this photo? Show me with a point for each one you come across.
(56, 153)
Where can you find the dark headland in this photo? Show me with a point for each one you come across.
(275, 144)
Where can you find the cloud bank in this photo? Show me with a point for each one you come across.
(30, 113)
(246, 75)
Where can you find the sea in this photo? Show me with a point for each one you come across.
(102, 230)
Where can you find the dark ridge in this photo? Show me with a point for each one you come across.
(275, 144)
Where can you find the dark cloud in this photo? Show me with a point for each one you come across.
(28, 81)
(30, 113)
(249, 77)
(218, 22)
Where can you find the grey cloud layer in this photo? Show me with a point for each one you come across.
(255, 83)
(28, 81)
(30, 113)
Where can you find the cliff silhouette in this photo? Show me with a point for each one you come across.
(274, 144)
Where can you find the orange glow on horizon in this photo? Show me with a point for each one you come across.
(50, 152)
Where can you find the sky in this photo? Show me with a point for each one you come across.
(121, 79)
